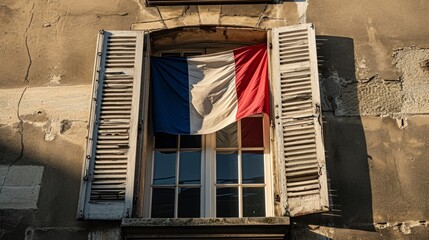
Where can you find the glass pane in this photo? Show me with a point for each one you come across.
(227, 202)
(253, 167)
(164, 170)
(251, 132)
(162, 203)
(190, 141)
(165, 140)
(253, 202)
(189, 54)
(189, 202)
(190, 168)
(227, 137)
(226, 167)
(171, 54)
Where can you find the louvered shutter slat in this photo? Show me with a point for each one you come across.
(107, 189)
(298, 130)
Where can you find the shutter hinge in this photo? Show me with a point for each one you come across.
(88, 177)
(318, 114)
(128, 213)
(80, 214)
(270, 45)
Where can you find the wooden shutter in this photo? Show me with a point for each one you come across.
(109, 165)
(298, 120)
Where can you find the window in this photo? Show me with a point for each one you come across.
(293, 139)
(224, 174)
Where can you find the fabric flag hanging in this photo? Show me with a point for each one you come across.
(203, 94)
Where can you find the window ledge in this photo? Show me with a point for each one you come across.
(201, 228)
(182, 222)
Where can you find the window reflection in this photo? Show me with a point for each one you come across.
(253, 202)
(253, 167)
(190, 165)
(227, 202)
(189, 202)
(252, 132)
(226, 168)
(163, 203)
(227, 137)
(164, 171)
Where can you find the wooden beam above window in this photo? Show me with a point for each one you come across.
(201, 2)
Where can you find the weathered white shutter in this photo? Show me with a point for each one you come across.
(298, 120)
(109, 166)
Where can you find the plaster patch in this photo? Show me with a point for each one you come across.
(51, 129)
(63, 102)
(20, 187)
(403, 227)
(55, 79)
(302, 11)
(414, 77)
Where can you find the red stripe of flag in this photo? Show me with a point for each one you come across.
(251, 77)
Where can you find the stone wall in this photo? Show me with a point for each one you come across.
(374, 79)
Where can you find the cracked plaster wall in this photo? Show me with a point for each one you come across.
(47, 54)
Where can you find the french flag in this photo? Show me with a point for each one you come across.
(203, 94)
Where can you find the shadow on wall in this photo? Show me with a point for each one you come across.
(346, 152)
(58, 197)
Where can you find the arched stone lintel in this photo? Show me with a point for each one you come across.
(207, 35)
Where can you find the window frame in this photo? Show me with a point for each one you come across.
(293, 197)
(208, 174)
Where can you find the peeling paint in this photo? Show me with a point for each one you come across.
(302, 11)
(403, 227)
(51, 129)
(55, 79)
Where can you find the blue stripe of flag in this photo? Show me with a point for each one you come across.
(170, 94)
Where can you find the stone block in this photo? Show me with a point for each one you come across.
(270, 23)
(274, 11)
(20, 186)
(172, 11)
(12, 197)
(239, 21)
(175, 22)
(148, 26)
(149, 14)
(24, 176)
(209, 14)
(254, 10)
(191, 16)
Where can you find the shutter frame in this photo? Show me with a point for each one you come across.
(117, 81)
(298, 121)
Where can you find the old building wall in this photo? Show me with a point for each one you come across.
(373, 57)
(374, 81)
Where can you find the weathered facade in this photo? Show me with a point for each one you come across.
(374, 71)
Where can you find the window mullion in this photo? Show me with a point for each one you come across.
(209, 176)
(176, 196)
(269, 200)
(240, 187)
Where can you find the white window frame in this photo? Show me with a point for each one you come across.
(208, 175)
